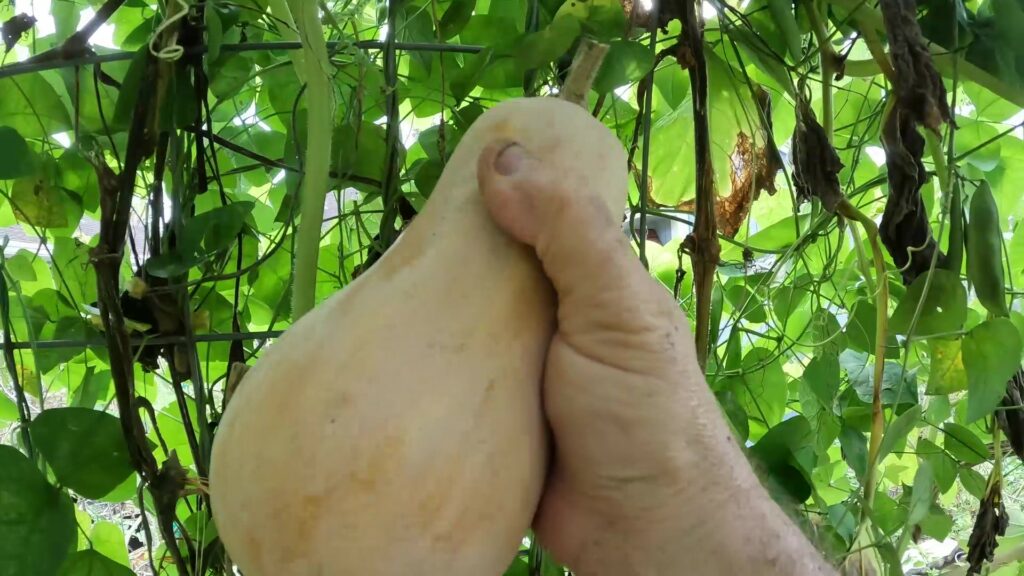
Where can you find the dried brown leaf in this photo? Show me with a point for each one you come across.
(13, 28)
(918, 85)
(816, 165)
(990, 523)
(904, 229)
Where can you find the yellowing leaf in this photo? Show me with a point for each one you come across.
(947, 372)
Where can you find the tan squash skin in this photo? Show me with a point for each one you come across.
(397, 428)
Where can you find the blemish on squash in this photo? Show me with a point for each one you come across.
(306, 514)
(381, 463)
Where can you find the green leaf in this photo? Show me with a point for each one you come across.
(94, 388)
(944, 468)
(92, 563)
(214, 33)
(855, 449)
(782, 13)
(944, 309)
(108, 539)
(762, 389)
(37, 530)
(455, 18)
(549, 44)
(743, 298)
(128, 95)
(39, 201)
(963, 444)
(973, 482)
(822, 376)
(947, 373)
(229, 74)
(898, 430)
(627, 61)
(8, 410)
(72, 267)
(898, 387)
(85, 449)
(31, 106)
(15, 157)
(991, 355)
(780, 452)
(922, 497)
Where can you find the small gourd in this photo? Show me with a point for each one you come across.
(397, 428)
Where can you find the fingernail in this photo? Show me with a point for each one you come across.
(510, 160)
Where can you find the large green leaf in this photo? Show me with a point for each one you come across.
(898, 386)
(991, 355)
(627, 61)
(31, 106)
(548, 44)
(37, 521)
(762, 389)
(944, 308)
(963, 444)
(85, 448)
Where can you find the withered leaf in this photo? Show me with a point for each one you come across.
(990, 523)
(13, 28)
(905, 231)
(918, 85)
(816, 165)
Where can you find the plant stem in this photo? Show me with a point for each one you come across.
(705, 251)
(315, 182)
(828, 59)
(850, 212)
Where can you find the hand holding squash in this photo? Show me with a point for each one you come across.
(646, 478)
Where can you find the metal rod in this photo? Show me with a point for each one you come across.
(136, 341)
(29, 67)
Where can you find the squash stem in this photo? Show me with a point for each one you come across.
(583, 72)
(316, 69)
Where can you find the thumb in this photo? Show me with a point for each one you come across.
(605, 297)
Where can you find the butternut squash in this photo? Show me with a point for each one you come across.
(397, 428)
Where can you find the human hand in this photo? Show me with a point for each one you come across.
(646, 477)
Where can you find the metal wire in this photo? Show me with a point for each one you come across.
(137, 341)
(39, 66)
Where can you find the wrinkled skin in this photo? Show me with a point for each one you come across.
(647, 478)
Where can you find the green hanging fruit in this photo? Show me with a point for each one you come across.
(985, 252)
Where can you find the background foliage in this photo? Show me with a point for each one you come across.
(151, 157)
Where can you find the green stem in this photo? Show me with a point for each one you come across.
(828, 60)
(316, 68)
(850, 212)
